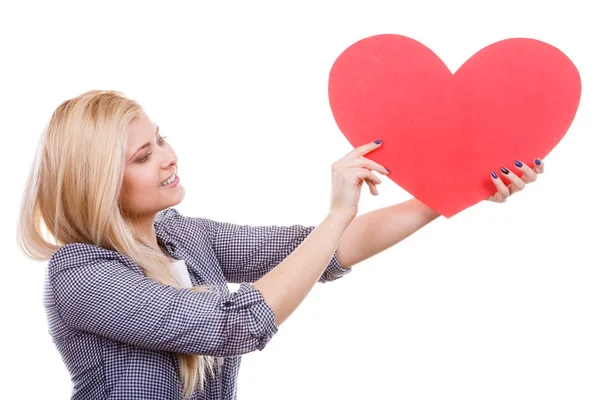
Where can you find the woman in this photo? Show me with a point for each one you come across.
(136, 294)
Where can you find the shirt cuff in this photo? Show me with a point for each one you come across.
(334, 270)
(262, 323)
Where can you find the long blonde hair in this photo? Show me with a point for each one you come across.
(73, 191)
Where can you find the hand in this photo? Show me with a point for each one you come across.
(348, 175)
(517, 184)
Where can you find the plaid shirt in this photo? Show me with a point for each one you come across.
(117, 330)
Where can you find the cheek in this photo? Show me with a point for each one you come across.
(138, 186)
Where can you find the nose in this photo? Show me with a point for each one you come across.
(169, 160)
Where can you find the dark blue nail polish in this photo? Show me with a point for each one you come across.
(518, 163)
(494, 175)
(378, 142)
(387, 169)
(504, 171)
(538, 161)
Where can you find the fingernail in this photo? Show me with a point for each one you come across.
(538, 161)
(518, 163)
(504, 170)
(494, 175)
(387, 169)
(378, 142)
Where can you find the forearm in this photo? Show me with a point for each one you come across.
(373, 232)
(286, 285)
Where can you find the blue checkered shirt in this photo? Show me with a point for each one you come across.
(118, 331)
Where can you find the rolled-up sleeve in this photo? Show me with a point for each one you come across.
(110, 299)
(246, 253)
(334, 270)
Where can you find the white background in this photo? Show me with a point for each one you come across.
(498, 302)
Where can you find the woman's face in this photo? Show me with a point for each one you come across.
(150, 161)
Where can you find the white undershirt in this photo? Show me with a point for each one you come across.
(181, 273)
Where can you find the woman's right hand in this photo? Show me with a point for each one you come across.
(348, 175)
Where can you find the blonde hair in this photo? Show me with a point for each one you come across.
(73, 190)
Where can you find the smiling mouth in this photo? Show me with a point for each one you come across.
(170, 179)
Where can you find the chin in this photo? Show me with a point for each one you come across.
(178, 198)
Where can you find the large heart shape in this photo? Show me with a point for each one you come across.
(443, 134)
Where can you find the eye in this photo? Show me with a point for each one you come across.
(142, 160)
(145, 158)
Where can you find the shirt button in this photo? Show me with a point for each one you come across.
(228, 303)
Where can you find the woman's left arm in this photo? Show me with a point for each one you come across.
(371, 233)
(376, 231)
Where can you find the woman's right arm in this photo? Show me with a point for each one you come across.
(286, 285)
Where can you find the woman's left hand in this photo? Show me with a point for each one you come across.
(516, 184)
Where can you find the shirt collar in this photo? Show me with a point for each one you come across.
(162, 235)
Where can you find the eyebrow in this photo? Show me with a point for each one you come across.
(145, 144)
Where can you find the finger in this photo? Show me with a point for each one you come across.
(372, 188)
(503, 192)
(538, 166)
(367, 163)
(517, 183)
(529, 175)
(364, 149)
(366, 175)
(373, 184)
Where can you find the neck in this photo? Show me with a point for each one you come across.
(143, 228)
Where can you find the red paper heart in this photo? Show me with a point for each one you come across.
(443, 134)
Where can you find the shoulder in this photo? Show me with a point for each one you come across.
(170, 222)
(75, 255)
